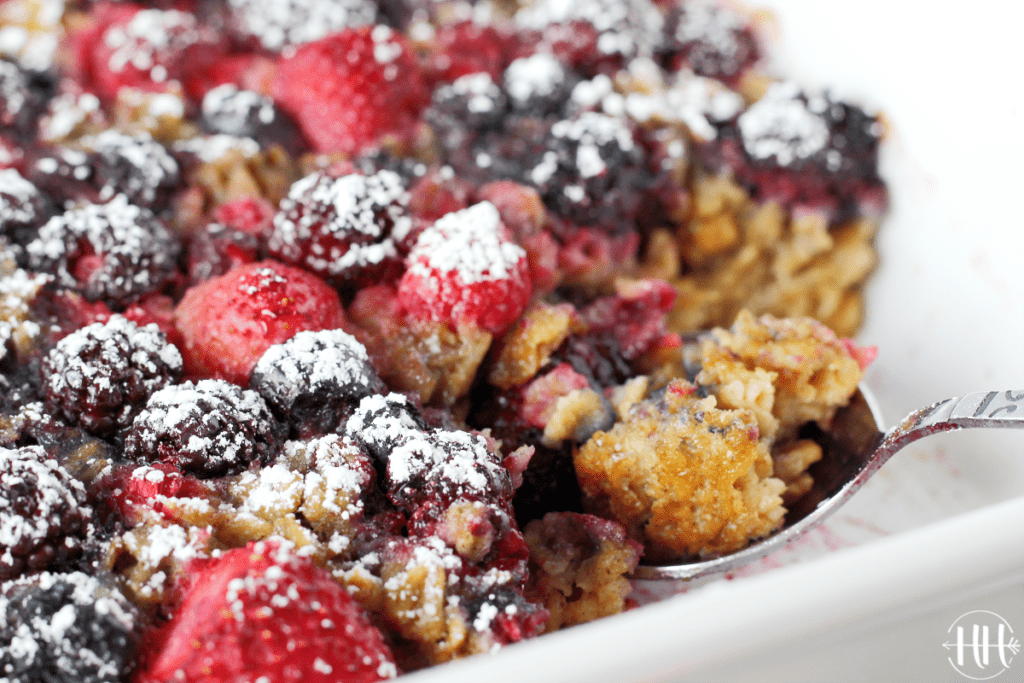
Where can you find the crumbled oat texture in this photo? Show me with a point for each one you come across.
(788, 371)
(579, 567)
(684, 476)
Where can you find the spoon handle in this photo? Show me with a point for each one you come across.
(1004, 408)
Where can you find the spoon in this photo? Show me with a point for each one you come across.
(854, 449)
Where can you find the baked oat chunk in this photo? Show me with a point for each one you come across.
(66, 627)
(115, 252)
(100, 376)
(314, 380)
(210, 428)
(579, 565)
(19, 330)
(787, 371)
(43, 515)
(683, 476)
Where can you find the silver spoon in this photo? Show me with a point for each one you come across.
(854, 449)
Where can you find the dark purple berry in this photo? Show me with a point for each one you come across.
(208, 429)
(23, 97)
(66, 627)
(709, 39)
(539, 85)
(115, 252)
(23, 208)
(381, 423)
(247, 114)
(315, 380)
(136, 166)
(43, 516)
(101, 375)
(216, 249)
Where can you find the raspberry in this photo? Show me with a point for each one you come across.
(115, 252)
(464, 269)
(43, 516)
(288, 23)
(66, 627)
(136, 166)
(100, 376)
(251, 215)
(345, 229)
(128, 45)
(244, 113)
(209, 429)
(467, 47)
(709, 39)
(23, 208)
(262, 613)
(350, 89)
(133, 490)
(228, 322)
(315, 379)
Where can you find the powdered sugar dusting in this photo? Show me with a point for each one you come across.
(281, 23)
(782, 125)
(467, 242)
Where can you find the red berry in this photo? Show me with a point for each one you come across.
(261, 613)
(464, 269)
(228, 322)
(348, 90)
(468, 48)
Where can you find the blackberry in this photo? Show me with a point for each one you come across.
(539, 85)
(247, 114)
(382, 423)
(208, 429)
(136, 166)
(347, 230)
(217, 249)
(43, 516)
(711, 40)
(23, 98)
(115, 252)
(100, 376)
(593, 172)
(803, 148)
(66, 175)
(66, 627)
(433, 469)
(314, 380)
(283, 23)
(549, 485)
(616, 31)
(23, 208)
(463, 109)
(508, 153)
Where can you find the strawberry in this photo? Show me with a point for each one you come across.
(262, 613)
(350, 89)
(464, 268)
(227, 322)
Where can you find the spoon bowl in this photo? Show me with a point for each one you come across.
(854, 448)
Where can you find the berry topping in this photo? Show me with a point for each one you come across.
(436, 468)
(622, 29)
(229, 322)
(382, 423)
(710, 39)
(464, 269)
(593, 173)
(209, 429)
(282, 23)
(43, 517)
(23, 97)
(22, 207)
(247, 114)
(315, 379)
(539, 84)
(217, 249)
(137, 47)
(100, 376)
(350, 89)
(114, 252)
(262, 613)
(801, 148)
(136, 166)
(468, 47)
(66, 627)
(344, 229)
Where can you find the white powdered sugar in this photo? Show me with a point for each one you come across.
(354, 208)
(281, 23)
(538, 75)
(211, 148)
(591, 130)
(782, 125)
(317, 358)
(140, 42)
(17, 291)
(458, 462)
(479, 89)
(18, 198)
(625, 27)
(151, 165)
(467, 242)
(714, 29)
